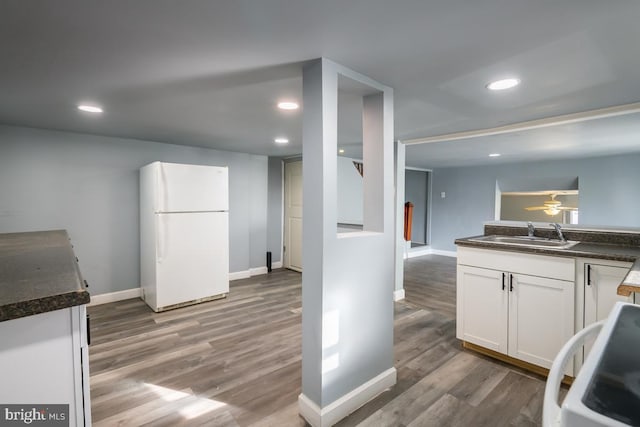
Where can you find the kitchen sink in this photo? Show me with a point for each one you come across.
(533, 242)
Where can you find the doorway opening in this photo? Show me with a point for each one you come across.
(417, 191)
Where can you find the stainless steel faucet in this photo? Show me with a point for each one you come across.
(530, 229)
(558, 231)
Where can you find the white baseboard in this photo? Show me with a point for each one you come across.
(137, 292)
(255, 271)
(398, 294)
(115, 296)
(237, 275)
(277, 264)
(453, 254)
(334, 412)
(426, 250)
(419, 251)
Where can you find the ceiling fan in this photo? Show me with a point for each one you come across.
(551, 207)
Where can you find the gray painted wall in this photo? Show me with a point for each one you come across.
(274, 209)
(89, 185)
(258, 208)
(415, 189)
(608, 187)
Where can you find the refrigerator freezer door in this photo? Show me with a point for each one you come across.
(192, 257)
(192, 188)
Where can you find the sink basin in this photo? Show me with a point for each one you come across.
(533, 242)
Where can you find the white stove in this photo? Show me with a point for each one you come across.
(606, 391)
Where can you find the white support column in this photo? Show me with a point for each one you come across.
(347, 279)
(401, 245)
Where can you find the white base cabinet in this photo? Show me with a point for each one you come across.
(597, 281)
(510, 308)
(44, 359)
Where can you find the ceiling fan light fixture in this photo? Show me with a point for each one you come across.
(503, 84)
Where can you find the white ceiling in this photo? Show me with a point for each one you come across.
(210, 73)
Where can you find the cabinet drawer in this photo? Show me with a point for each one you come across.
(554, 267)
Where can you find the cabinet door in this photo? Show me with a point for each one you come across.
(40, 362)
(600, 294)
(600, 291)
(541, 318)
(482, 307)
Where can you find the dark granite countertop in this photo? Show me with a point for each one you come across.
(608, 251)
(582, 249)
(38, 273)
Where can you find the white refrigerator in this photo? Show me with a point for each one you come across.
(184, 234)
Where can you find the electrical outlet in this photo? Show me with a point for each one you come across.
(443, 195)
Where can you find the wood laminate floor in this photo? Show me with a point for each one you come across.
(237, 362)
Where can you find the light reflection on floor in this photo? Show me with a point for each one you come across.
(197, 406)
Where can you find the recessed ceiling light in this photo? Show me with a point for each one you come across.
(89, 108)
(281, 141)
(341, 151)
(503, 84)
(288, 105)
(494, 155)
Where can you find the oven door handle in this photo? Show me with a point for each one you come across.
(551, 409)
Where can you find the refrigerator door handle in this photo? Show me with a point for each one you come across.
(161, 189)
(159, 239)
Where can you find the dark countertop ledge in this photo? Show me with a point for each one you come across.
(631, 282)
(38, 273)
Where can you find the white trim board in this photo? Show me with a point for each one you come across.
(410, 168)
(422, 251)
(418, 251)
(137, 292)
(237, 275)
(254, 271)
(452, 254)
(398, 294)
(115, 296)
(583, 116)
(345, 405)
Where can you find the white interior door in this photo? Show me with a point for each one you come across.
(192, 256)
(293, 215)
